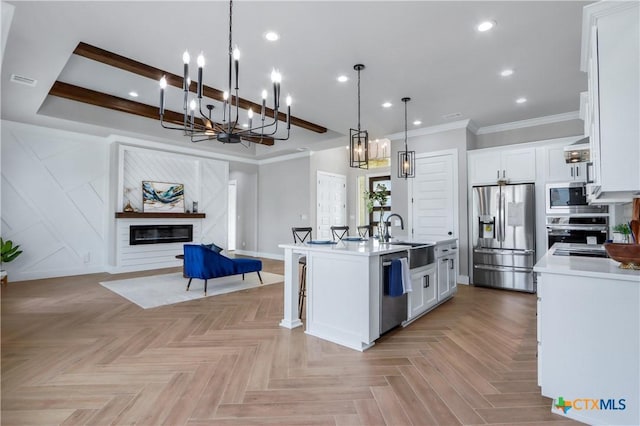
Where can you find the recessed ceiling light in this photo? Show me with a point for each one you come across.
(521, 100)
(486, 26)
(417, 123)
(387, 105)
(506, 72)
(272, 36)
(342, 78)
(133, 94)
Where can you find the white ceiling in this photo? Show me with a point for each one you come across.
(427, 50)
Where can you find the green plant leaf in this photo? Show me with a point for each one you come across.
(8, 252)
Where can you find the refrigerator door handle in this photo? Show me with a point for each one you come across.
(508, 252)
(504, 268)
(499, 215)
(503, 229)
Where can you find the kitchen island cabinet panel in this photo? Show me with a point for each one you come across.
(424, 293)
(589, 336)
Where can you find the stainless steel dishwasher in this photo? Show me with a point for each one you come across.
(393, 310)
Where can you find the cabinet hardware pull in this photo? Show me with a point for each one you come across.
(571, 171)
(451, 260)
(426, 283)
(503, 174)
(497, 174)
(577, 171)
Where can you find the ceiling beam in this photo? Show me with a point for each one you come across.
(113, 59)
(92, 97)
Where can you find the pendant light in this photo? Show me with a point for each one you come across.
(406, 158)
(359, 141)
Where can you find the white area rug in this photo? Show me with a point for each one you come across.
(159, 290)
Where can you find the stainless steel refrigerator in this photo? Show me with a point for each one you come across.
(503, 236)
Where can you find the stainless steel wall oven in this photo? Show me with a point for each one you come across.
(577, 229)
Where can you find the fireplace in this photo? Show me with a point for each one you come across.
(160, 234)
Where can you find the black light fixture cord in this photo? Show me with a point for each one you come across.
(358, 69)
(406, 150)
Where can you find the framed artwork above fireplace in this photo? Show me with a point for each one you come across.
(162, 197)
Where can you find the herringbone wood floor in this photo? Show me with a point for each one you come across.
(75, 353)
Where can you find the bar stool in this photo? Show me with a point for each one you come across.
(339, 232)
(364, 231)
(300, 235)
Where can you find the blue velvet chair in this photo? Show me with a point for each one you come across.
(205, 263)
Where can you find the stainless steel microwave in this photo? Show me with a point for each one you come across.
(570, 198)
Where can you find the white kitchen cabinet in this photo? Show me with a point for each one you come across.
(487, 166)
(589, 336)
(610, 45)
(559, 171)
(424, 293)
(447, 269)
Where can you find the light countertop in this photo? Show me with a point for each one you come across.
(584, 266)
(370, 247)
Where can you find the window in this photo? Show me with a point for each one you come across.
(374, 216)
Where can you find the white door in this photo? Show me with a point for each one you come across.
(332, 203)
(434, 197)
(232, 215)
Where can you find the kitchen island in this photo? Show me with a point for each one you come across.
(589, 338)
(343, 289)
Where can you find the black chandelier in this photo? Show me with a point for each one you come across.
(227, 130)
(406, 158)
(359, 145)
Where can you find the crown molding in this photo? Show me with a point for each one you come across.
(285, 157)
(461, 124)
(573, 115)
(142, 143)
(128, 140)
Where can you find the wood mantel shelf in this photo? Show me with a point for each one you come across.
(135, 215)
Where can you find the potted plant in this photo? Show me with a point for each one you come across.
(380, 195)
(8, 253)
(621, 233)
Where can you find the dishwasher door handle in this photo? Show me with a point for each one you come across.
(385, 264)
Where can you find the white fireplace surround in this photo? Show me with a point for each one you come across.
(205, 181)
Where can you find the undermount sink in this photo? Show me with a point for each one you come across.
(420, 254)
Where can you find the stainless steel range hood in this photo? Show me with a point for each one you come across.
(578, 152)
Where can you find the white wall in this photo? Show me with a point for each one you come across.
(246, 176)
(60, 191)
(284, 202)
(54, 200)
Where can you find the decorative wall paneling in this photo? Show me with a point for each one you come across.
(205, 181)
(54, 193)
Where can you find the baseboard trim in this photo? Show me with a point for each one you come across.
(15, 277)
(260, 254)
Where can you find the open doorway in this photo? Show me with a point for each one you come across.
(232, 215)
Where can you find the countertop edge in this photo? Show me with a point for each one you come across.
(584, 267)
